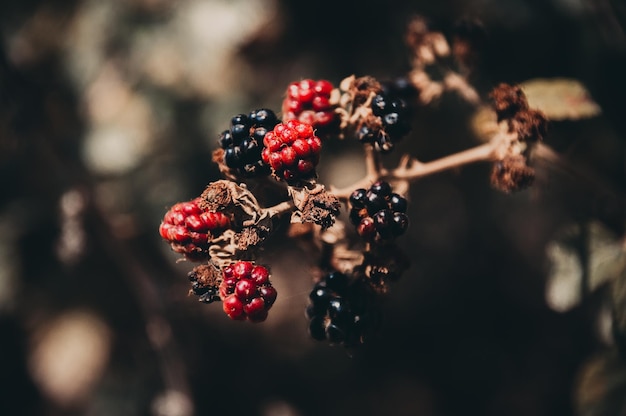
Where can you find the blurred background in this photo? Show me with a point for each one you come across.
(109, 112)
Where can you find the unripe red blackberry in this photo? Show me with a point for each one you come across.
(246, 291)
(188, 228)
(243, 142)
(378, 213)
(309, 102)
(292, 150)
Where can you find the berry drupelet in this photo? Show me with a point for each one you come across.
(378, 213)
(246, 291)
(394, 123)
(243, 142)
(188, 228)
(309, 101)
(292, 150)
(342, 312)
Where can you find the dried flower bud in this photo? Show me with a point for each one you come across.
(531, 125)
(508, 100)
(314, 205)
(512, 174)
(205, 281)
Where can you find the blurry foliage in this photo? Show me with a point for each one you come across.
(109, 111)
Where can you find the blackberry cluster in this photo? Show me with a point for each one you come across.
(402, 88)
(309, 101)
(243, 142)
(292, 150)
(342, 312)
(246, 291)
(188, 228)
(393, 125)
(378, 213)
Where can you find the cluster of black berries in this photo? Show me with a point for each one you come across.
(342, 312)
(378, 213)
(243, 142)
(402, 88)
(206, 293)
(394, 121)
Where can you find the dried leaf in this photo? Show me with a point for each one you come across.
(601, 388)
(560, 98)
(606, 258)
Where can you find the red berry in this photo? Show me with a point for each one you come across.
(288, 156)
(293, 89)
(307, 84)
(305, 166)
(227, 271)
(298, 154)
(164, 229)
(254, 307)
(188, 228)
(227, 287)
(276, 161)
(367, 228)
(259, 275)
(245, 289)
(320, 103)
(194, 223)
(306, 98)
(178, 234)
(301, 148)
(268, 293)
(307, 117)
(242, 269)
(324, 118)
(234, 308)
(323, 87)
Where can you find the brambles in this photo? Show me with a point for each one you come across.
(246, 291)
(378, 213)
(292, 150)
(309, 101)
(242, 143)
(188, 228)
(226, 225)
(341, 311)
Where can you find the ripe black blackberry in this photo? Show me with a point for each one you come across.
(342, 312)
(243, 142)
(378, 213)
(400, 87)
(392, 112)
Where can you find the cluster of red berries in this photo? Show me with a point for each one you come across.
(243, 142)
(392, 112)
(342, 312)
(309, 101)
(292, 150)
(246, 291)
(188, 228)
(378, 213)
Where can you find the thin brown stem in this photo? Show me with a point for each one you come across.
(410, 169)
